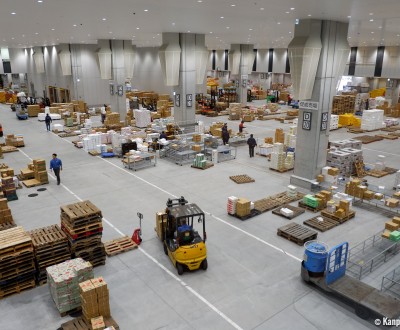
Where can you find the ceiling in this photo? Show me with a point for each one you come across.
(263, 23)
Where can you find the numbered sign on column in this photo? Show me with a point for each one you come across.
(307, 116)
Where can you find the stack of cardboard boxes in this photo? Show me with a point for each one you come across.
(278, 157)
(160, 224)
(8, 188)
(95, 300)
(340, 210)
(14, 141)
(112, 118)
(392, 229)
(39, 170)
(279, 136)
(34, 110)
(343, 104)
(235, 111)
(356, 189)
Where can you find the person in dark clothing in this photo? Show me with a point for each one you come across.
(252, 144)
(48, 120)
(163, 135)
(241, 126)
(56, 166)
(225, 134)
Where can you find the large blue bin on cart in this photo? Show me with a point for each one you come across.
(315, 256)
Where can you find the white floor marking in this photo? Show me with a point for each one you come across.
(187, 287)
(382, 152)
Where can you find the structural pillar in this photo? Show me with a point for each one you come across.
(317, 55)
(241, 63)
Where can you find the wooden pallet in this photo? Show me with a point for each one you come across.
(281, 170)
(17, 288)
(14, 240)
(334, 217)
(76, 310)
(324, 225)
(395, 134)
(81, 324)
(297, 233)
(92, 226)
(365, 139)
(94, 153)
(84, 243)
(390, 170)
(252, 214)
(309, 208)
(119, 245)
(387, 136)
(208, 165)
(6, 149)
(242, 178)
(80, 210)
(376, 173)
(82, 232)
(33, 183)
(296, 211)
(272, 202)
(48, 237)
(7, 225)
(391, 129)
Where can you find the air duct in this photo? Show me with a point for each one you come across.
(201, 53)
(129, 58)
(38, 58)
(304, 53)
(104, 54)
(170, 58)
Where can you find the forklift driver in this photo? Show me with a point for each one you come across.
(185, 233)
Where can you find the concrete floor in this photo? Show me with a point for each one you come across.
(253, 280)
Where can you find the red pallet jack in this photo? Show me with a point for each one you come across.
(137, 233)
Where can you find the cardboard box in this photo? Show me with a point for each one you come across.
(340, 213)
(196, 147)
(333, 171)
(392, 202)
(386, 234)
(368, 195)
(97, 323)
(160, 223)
(396, 220)
(320, 178)
(243, 207)
(396, 195)
(390, 225)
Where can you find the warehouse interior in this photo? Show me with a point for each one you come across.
(318, 88)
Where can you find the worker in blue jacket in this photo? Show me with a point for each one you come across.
(56, 167)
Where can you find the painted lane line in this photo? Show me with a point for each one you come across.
(219, 219)
(382, 152)
(194, 292)
(185, 285)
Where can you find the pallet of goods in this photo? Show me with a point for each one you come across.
(14, 141)
(9, 189)
(392, 230)
(50, 248)
(17, 267)
(63, 280)
(6, 219)
(39, 173)
(82, 223)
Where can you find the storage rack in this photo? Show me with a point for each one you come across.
(146, 160)
(180, 151)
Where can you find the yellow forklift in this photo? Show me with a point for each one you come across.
(182, 242)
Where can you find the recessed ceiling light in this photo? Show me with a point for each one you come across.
(52, 29)
(158, 34)
(199, 1)
(154, 37)
(146, 10)
(110, 32)
(371, 20)
(133, 36)
(104, 19)
(12, 38)
(261, 8)
(309, 15)
(173, 23)
(398, 35)
(222, 17)
(23, 36)
(36, 32)
(138, 28)
(188, 32)
(250, 29)
(13, 13)
(349, 37)
(372, 32)
(233, 5)
(292, 8)
(380, 27)
(228, 27)
(210, 32)
(74, 25)
(40, 1)
(278, 23)
(290, 32)
(370, 14)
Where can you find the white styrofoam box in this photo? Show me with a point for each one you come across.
(291, 187)
(278, 147)
(286, 212)
(41, 116)
(325, 170)
(142, 117)
(55, 116)
(46, 110)
(58, 127)
(251, 206)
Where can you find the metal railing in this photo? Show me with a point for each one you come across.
(368, 255)
(391, 283)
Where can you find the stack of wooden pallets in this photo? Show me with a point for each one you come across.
(82, 222)
(50, 248)
(6, 219)
(17, 267)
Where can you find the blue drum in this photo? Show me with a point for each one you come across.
(315, 256)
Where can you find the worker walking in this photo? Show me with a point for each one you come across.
(241, 126)
(56, 166)
(48, 120)
(225, 134)
(252, 144)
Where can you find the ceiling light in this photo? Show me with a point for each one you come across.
(290, 32)
(261, 8)
(309, 15)
(104, 19)
(222, 17)
(292, 8)
(233, 5)
(146, 10)
(52, 29)
(74, 25)
(210, 32)
(250, 29)
(36, 33)
(110, 32)
(12, 38)
(348, 16)
(398, 35)
(287, 12)
(372, 32)
(371, 20)
(380, 27)
(154, 37)
(138, 28)
(173, 23)
(228, 27)
(40, 1)
(133, 36)
(370, 14)
(188, 32)
(278, 23)
(13, 13)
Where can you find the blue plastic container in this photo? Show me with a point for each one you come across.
(315, 256)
